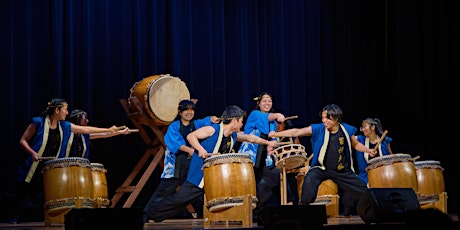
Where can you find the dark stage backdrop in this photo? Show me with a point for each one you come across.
(394, 60)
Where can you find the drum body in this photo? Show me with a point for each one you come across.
(290, 156)
(227, 179)
(392, 171)
(68, 184)
(430, 177)
(160, 95)
(100, 191)
(328, 187)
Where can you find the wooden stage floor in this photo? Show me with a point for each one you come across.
(352, 223)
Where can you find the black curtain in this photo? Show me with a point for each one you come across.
(394, 60)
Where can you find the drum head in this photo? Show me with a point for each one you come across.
(164, 95)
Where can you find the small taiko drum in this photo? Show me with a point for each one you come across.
(68, 183)
(430, 179)
(392, 171)
(228, 178)
(290, 156)
(328, 187)
(160, 95)
(100, 193)
(327, 193)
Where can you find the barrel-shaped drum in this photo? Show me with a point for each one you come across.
(328, 187)
(68, 183)
(228, 178)
(392, 171)
(290, 156)
(160, 95)
(430, 177)
(100, 193)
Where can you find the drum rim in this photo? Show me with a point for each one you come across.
(396, 155)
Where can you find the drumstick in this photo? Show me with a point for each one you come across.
(380, 140)
(46, 158)
(134, 130)
(284, 143)
(291, 117)
(415, 158)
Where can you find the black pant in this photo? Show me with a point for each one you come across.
(175, 203)
(347, 181)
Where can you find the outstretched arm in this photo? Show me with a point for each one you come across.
(109, 134)
(91, 129)
(295, 132)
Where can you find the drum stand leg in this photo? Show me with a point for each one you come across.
(155, 148)
(242, 214)
(283, 185)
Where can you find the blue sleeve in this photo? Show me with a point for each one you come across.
(202, 122)
(257, 120)
(173, 138)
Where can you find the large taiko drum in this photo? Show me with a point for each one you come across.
(290, 156)
(430, 178)
(228, 178)
(68, 183)
(100, 193)
(160, 95)
(392, 171)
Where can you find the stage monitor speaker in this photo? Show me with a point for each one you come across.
(384, 205)
(104, 218)
(292, 217)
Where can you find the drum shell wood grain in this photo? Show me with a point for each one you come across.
(328, 187)
(100, 190)
(397, 171)
(68, 183)
(430, 177)
(230, 179)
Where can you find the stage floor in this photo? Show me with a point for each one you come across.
(352, 223)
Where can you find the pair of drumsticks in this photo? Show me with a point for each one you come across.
(124, 127)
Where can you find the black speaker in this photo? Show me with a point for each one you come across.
(104, 218)
(383, 205)
(292, 217)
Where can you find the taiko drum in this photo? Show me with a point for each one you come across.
(68, 183)
(227, 179)
(100, 193)
(430, 177)
(328, 187)
(160, 95)
(392, 171)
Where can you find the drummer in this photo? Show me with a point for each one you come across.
(178, 154)
(261, 121)
(216, 138)
(52, 127)
(332, 143)
(372, 132)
